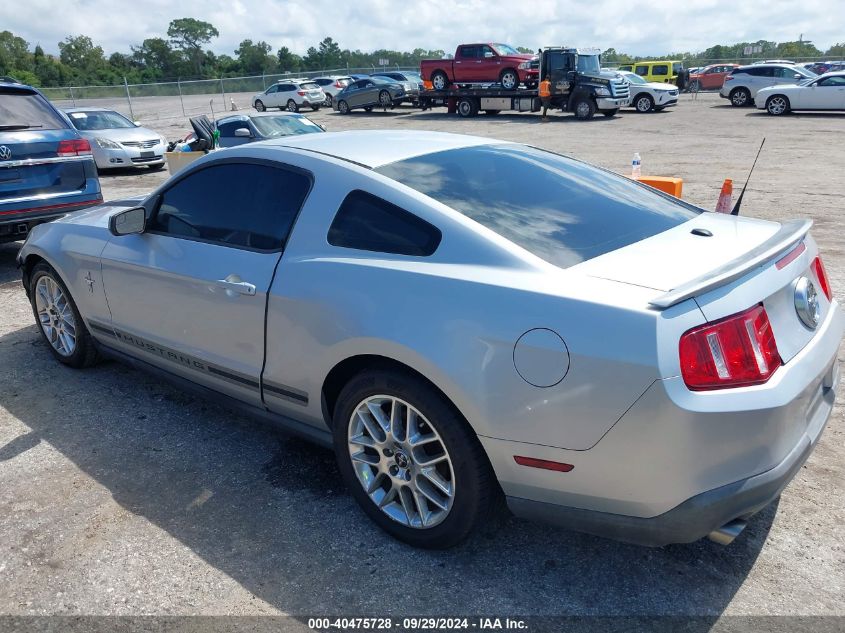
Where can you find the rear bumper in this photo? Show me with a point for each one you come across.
(690, 521)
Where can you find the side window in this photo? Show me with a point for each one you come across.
(836, 80)
(785, 73)
(368, 223)
(485, 51)
(469, 52)
(228, 129)
(677, 67)
(763, 71)
(660, 69)
(642, 71)
(237, 204)
(271, 90)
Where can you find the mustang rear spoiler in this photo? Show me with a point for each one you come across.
(789, 234)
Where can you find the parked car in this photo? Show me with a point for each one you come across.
(648, 96)
(238, 129)
(46, 167)
(826, 92)
(413, 82)
(821, 68)
(369, 93)
(331, 86)
(710, 77)
(290, 94)
(657, 71)
(116, 141)
(742, 84)
(481, 63)
(460, 317)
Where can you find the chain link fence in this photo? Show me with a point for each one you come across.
(222, 92)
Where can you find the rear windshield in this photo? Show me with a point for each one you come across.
(309, 85)
(27, 110)
(558, 208)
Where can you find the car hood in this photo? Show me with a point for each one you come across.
(100, 214)
(780, 88)
(603, 76)
(121, 135)
(654, 85)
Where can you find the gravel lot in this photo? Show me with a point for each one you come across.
(121, 495)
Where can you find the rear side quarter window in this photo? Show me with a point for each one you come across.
(368, 223)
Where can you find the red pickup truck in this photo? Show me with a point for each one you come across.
(482, 63)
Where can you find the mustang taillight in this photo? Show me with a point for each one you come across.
(736, 351)
(73, 147)
(821, 275)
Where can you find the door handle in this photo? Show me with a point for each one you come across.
(235, 286)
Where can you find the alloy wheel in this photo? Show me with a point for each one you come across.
(384, 99)
(401, 462)
(776, 105)
(55, 315)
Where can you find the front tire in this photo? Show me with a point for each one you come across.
(343, 107)
(259, 105)
(777, 105)
(584, 109)
(59, 320)
(385, 101)
(644, 103)
(740, 97)
(410, 460)
(509, 79)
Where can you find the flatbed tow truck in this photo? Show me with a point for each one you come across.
(578, 85)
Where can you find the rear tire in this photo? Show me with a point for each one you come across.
(314, 108)
(467, 107)
(259, 105)
(644, 103)
(740, 97)
(328, 101)
(59, 320)
(439, 80)
(777, 105)
(292, 107)
(392, 465)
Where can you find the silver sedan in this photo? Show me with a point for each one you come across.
(116, 141)
(462, 318)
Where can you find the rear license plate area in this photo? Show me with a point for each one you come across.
(10, 175)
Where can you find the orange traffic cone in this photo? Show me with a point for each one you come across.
(726, 197)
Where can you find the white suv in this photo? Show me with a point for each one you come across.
(742, 84)
(331, 85)
(290, 94)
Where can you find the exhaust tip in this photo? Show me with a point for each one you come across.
(726, 534)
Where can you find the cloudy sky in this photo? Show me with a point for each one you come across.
(642, 28)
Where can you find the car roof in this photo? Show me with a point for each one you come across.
(259, 115)
(375, 148)
(92, 109)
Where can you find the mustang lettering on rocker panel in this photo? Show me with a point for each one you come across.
(283, 392)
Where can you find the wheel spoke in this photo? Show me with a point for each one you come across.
(379, 417)
(406, 498)
(366, 458)
(432, 497)
(398, 428)
(374, 482)
(373, 428)
(424, 512)
(389, 497)
(363, 440)
(428, 460)
(434, 477)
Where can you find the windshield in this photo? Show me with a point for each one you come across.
(504, 49)
(95, 120)
(273, 126)
(560, 209)
(589, 64)
(807, 73)
(633, 78)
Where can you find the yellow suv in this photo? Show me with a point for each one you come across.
(660, 71)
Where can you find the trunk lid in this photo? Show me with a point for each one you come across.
(741, 263)
(21, 180)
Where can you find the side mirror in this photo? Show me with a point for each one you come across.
(137, 123)
(796, 76)
(488, 55)
(243, 132)
(129, 222)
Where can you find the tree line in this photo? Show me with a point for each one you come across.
(183, 54)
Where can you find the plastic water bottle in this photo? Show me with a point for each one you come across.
(636, 164)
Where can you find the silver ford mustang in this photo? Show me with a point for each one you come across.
(462, 318)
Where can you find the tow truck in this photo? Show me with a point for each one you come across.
(578, 85)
